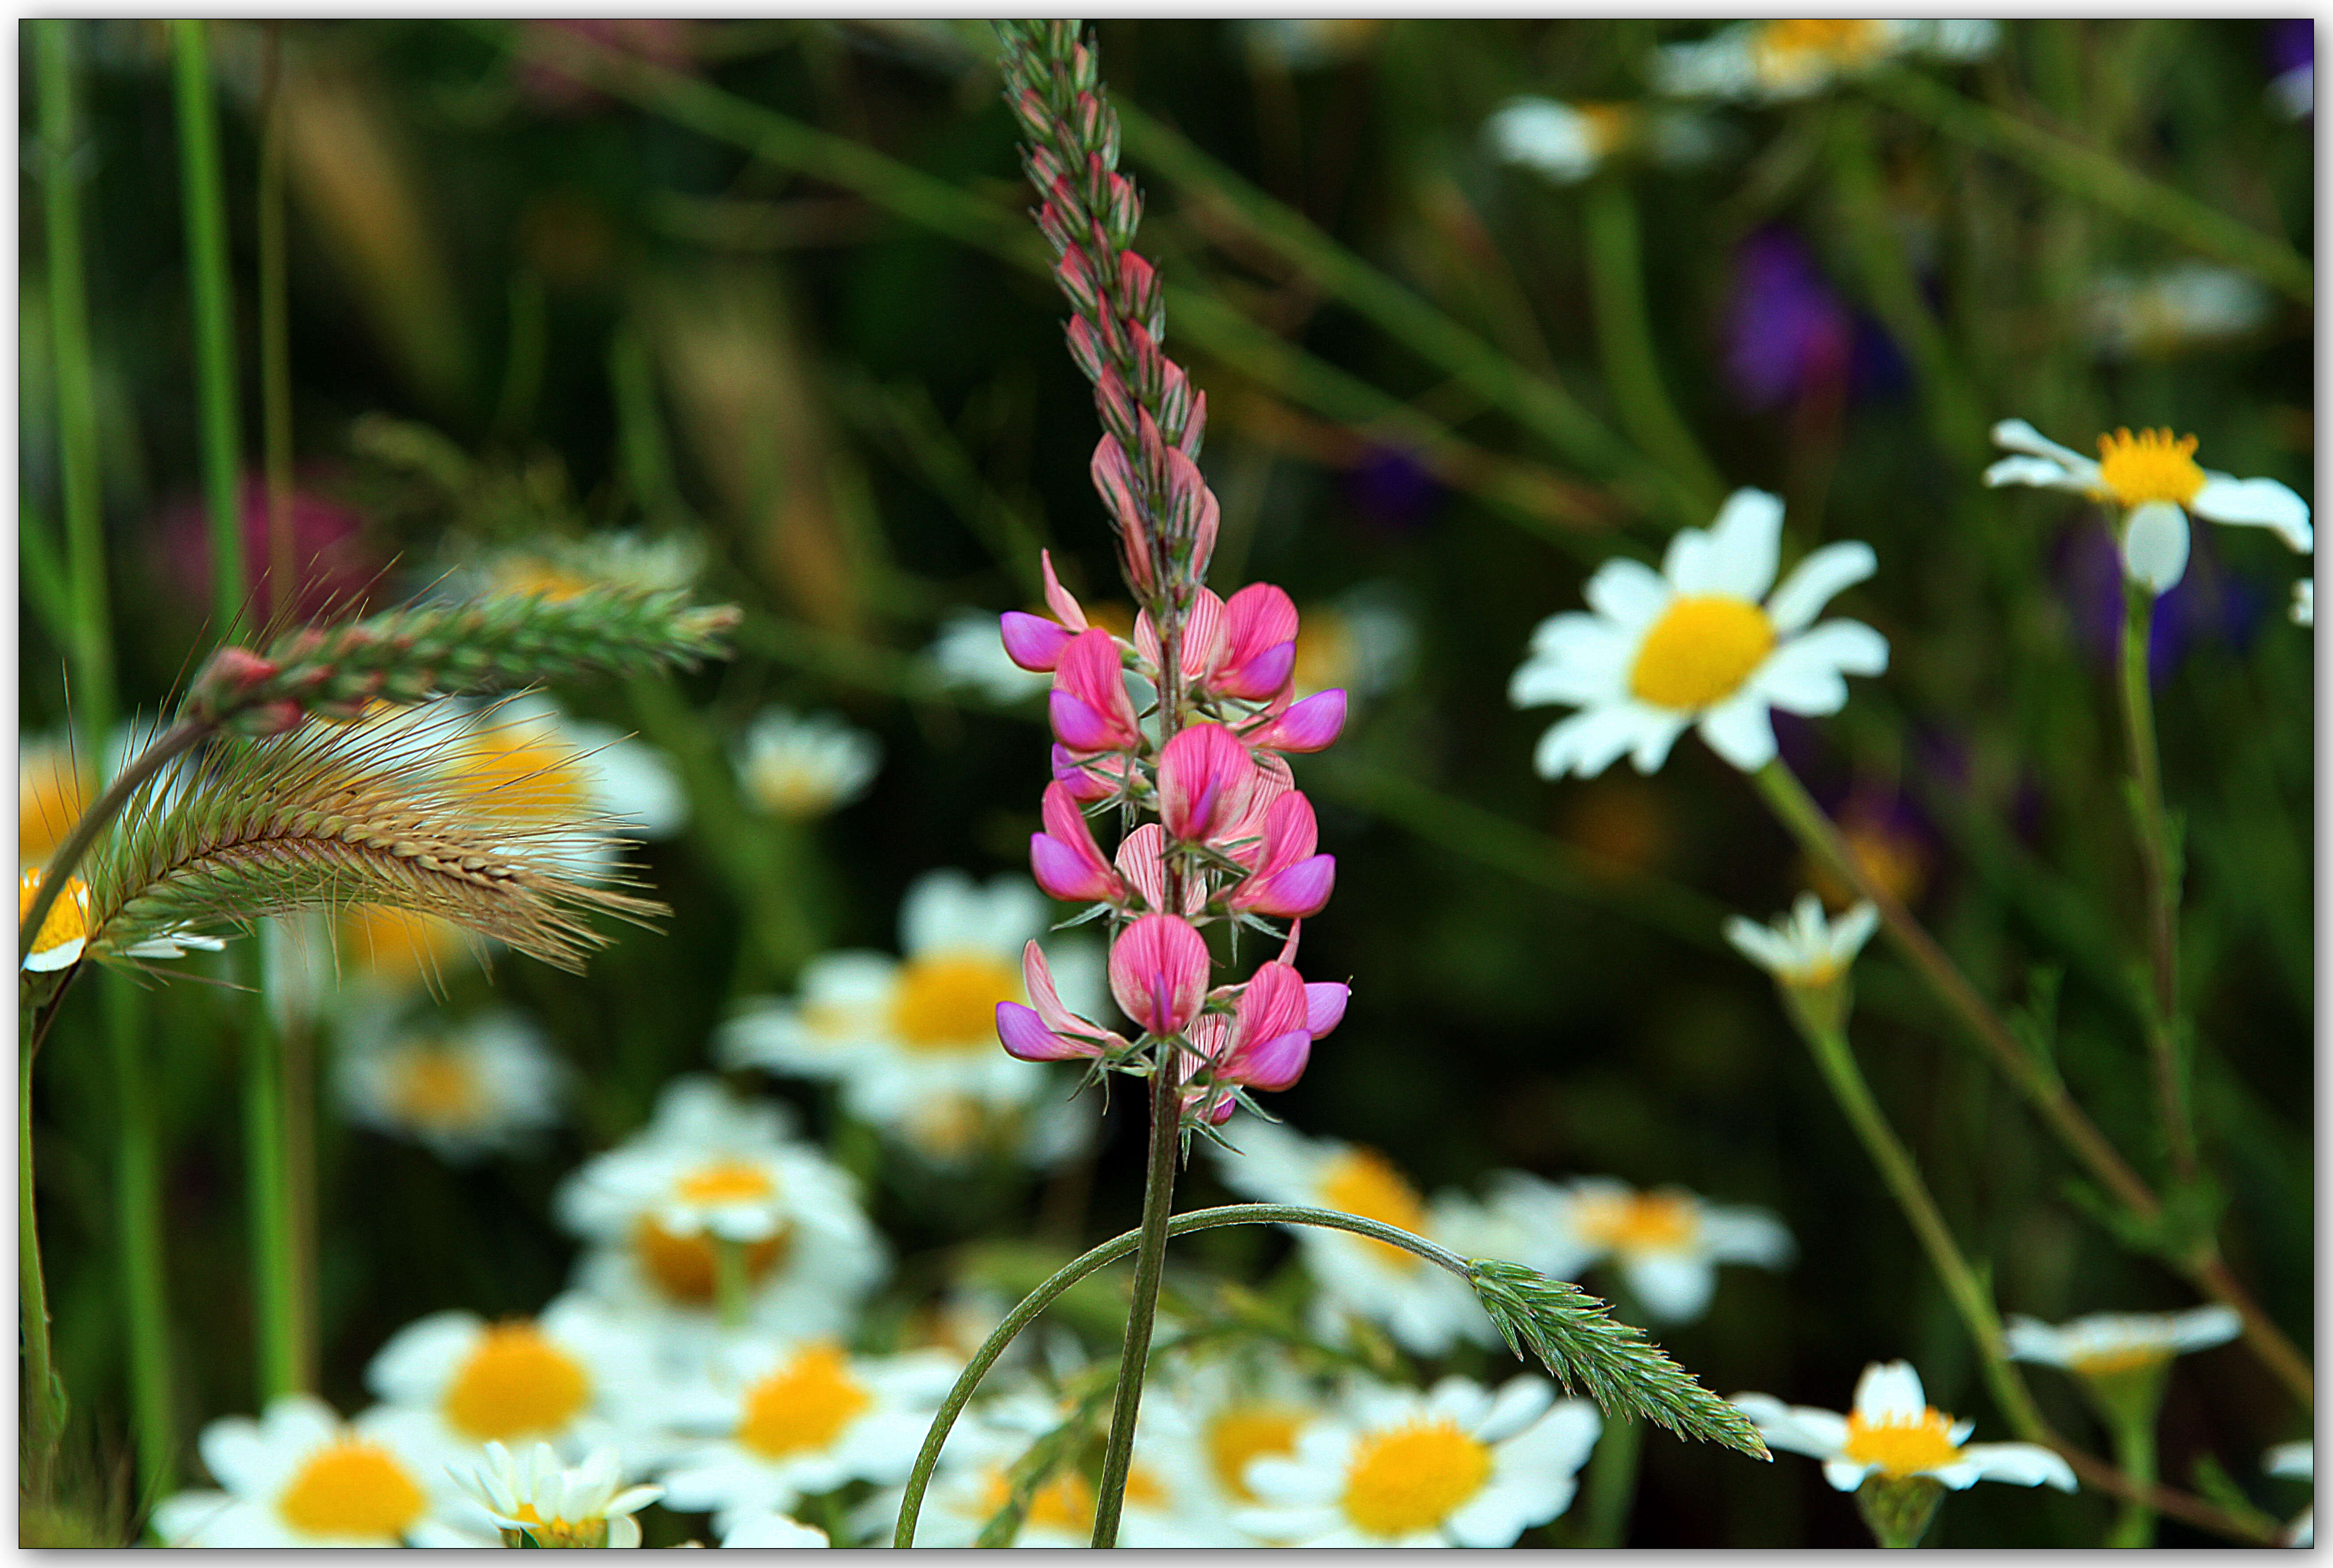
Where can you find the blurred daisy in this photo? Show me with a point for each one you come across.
(2106, 1344)
(53, 787)
(64, 934)
(771, 1528)
(2297, 1461)
(561, 569)
(1310, 43)
(1425, 1309)
(1454, 1465)
(2193, 303)
(1206, 1423)
(1894, 1432)
(528, 763)
(1803, 949)
(777, 1424)
(969, 652)
(712, 1169)
(2155, 480)
(451, 1382)
(463, 1090)
(1361, 642)
(2304, 602)
(912, 1041)
(1567, 143)
(538, 1501)
(799, 768)
(1666, 1243)
(1700, 642)
(300, 1477)
(1774, 61)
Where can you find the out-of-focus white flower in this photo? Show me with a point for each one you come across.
(2193, 303)
(2292, 94)
(540, 1500)
(2298, 1462)
(969, 651)
(1775, 61)
(712, 1171)
(1310, 43)
(913, 1040)
(561, 569)
(2304, 602)
(1425, 1309)
(1361, 642)
(1666, 1243)
(1804, 949)
(2156, 481)
(766, 1427)
(2105, 1344)
(531, 764)
(464, 1090)
(1895, 1432)
(796, 766)
(1567, 143)
(1454, 1465)
(771, 1528)
(1205, 1424)
(301, 1477)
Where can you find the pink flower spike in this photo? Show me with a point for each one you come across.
(1032, 641)
(1064, 858)
(1259, 643)
(1091, 709)
(1159, 973)
(1205, 781)
(1312, 724)
(1141, 860)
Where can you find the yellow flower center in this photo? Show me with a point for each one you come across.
(395, 947)
(1364, 1182)
(1901, 1449)
(1066, 1503)
(1638, 1221)
(352, 1488)
(725, 1181)
(67, 921)
(790, 786)
(1609, 125)
(803, 1404)
(532, 574)
(1413, 1477)
(1700, 652)
(1787, 47)
(435, 1087)
(521, 771)
(1247, 1432)
(49, 798)
(682, 1266)
(1326, 655)
(2152, 465)
(947, 1001)
(2119, 1359)
(516, 1383)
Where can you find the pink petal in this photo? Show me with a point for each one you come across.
(1092, 673)
(1083, 783)
(1023, 1035)
(1064, 603)
(1273, 1003)
(1206, 779)
(1261, 677)
(1065, 875)
(1300, 890)
(1159, 972)
(1256, 617)
(1324, 1005)
(1312, 724)
(1279, 1062)
(1032, 641)
(1291, 831)
(1037, 979)
(1079, 727)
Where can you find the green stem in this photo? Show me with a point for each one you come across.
(1624, 336)
(44, 1392)
(1034, 1304)
(276, 338)
(730, 1295)
(2161, 859)
(268, 1193)
(2134, 1456)
(1609, 1487)
(1149, 1269)
(138, 1232)
(205, 195)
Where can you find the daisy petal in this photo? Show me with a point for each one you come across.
(1816, 581)
(1629, 592)
(2040, 473)
(1803, 675)
(1586, 743)
(1674, 1287)
(1741, 730)
(2019, 1464)
(1736, 556)
(1799, 1428)
(2256, 503)
(2017, 435)
(1890, 1392)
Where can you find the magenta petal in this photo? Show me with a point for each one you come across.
(1032, 641)
(1312, 724)
(1324, 1006)
(1065, 875)
(1024, 1036)
(1255, 618)
(1291, 831)
(1300, 890)
(1279, 1062)
(1159, 972)
(1261, 677)
(1205, 781)
(1063, 602)
(1078, 726)
(1083, 782)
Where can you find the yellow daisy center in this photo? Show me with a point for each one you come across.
(1784, 46)
(1902, 1447)
(1413, 1477)
(515, 1383)
(1066, 1503)
(725, 1181)
(521, 771)
(67, 921)
(1247, 1432)
(395, 947)
(1364, 1182)
(2119, 1359)
(1609, 125)
(790, 786)
(1700, 652)
(2152, 465)
(49, 798)
(803, 1404)
(682, 1266)
(434, 1087)
(352, 1488)
(534, 575)
(1326, 654)
(1638, 1221)
(947, 1001)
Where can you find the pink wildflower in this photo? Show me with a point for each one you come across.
(1205, 781)
(1035, 643)
(1312, 724)
(1266, 1041)
(1064, 858)
(1091, 709)
(1049, 1032)
(1141, 860)
(1289, 880)
(1159, 973)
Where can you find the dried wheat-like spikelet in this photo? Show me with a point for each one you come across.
(330, 815)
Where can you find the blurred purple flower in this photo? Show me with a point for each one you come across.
(2292, 48)
(334, 568)
(1788, 331)
(2206, 605)
(1391, 487)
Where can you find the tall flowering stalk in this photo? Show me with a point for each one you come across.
(1214, 831)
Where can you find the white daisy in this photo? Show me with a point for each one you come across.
(710, 1169)
(301, 1477)
(464, 1089)
(1424, 1308)
(1666, 1243)
(913, 1040)
(1454, 1465)
(1694, 644)
(794, 767)
(451, 1382)
(2297, 1461)
(1567, 143)
(1206, 1421)
(2107, 1343)
(1775, 61)
(1895, 1432)
(2154, 478)
(536, 1500)
(1804, 949)
(969, 652)
(531, 764)
(768, 1426)
(772, 1529)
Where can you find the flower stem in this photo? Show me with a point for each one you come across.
(1034, 1304)
(1150, 1267)
(729, 1281)
(2161, 860)
(205, 197)
(2134, 1440)
(1610, 1484)
(44, 1392)
(138, 1232)
(268, 1193)
(276, 334)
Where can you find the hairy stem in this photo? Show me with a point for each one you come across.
(2160, 859)
(1149, 1268)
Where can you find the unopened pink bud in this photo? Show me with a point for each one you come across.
(1312, 724)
